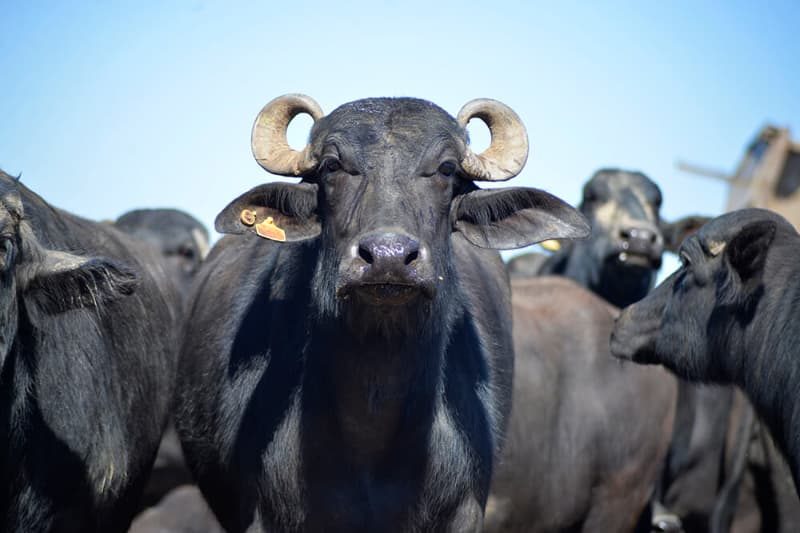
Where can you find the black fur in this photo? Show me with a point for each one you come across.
(87, 365)
(729, 316)
(324, 389)
(181, 240)
(615, 202)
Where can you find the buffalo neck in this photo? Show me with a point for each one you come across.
(374, 391)
(620, 285)
(370, 392)
(623, 285)
(769, 367)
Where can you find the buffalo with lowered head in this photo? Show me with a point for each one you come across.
(728, 315)
(86, 365)
(347, 359)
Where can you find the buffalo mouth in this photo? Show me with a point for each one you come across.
(638, 260)
(634, 259)
(384, 294)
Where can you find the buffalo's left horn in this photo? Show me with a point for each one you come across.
(508, 151)
(268, 141)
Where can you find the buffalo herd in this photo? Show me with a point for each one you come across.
(353, 355)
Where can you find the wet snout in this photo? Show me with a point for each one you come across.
(640, 245)
(389, 253)
(387, 267)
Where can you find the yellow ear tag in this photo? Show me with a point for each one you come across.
(269, 230)
(551, 245)
(248, 217)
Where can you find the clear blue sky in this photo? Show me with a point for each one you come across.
(109, 106)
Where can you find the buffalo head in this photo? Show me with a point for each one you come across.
(695, 321)
(385, 184)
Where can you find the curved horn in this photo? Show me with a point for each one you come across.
(268, 140)
(508, 151)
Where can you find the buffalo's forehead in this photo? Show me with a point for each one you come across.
(397, 123)
(621, 180)
(623, 193)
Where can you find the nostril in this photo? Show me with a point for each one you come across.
(365, 254)
(626, 234)
(413, 256)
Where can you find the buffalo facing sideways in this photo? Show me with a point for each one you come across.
(347, 359)
(729, 315)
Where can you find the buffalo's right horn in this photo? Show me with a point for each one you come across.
(508, 151)
(268, 140)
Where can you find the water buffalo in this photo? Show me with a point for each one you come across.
(181, 239)
(621, 258)
(182, 242)
(87, 351)
(347, 360)
(620, 262)
(728, 316)
(586, 435)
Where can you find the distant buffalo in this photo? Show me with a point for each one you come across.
(620, 259)
(620, 262)
(181, 239)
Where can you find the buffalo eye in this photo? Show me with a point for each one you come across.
(448, 168)
(331, 165)
(187, 252)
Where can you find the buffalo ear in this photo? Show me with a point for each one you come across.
(59, 281)
(675, 232)
(291, 206)
(514, 217)
(747, 251)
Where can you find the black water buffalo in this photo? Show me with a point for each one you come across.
(587, 435)
(357, 376)
(181, 239)
(621, 258)
(87, 352)
(620, 262)
(728, 315)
